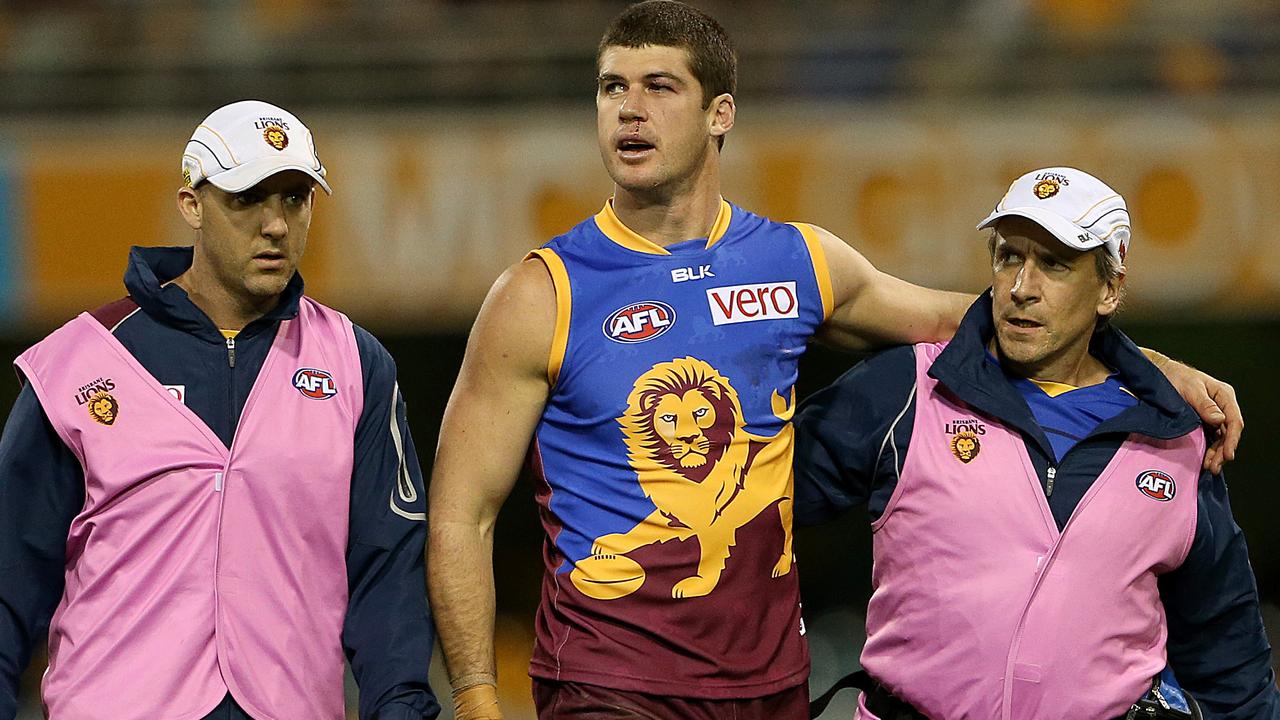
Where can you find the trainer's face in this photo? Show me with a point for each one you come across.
(250, 242)
(652, 129)
(1046, 299)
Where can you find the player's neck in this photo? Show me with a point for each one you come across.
(667, 216)
(226, 309)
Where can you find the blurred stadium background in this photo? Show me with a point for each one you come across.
(459, 135)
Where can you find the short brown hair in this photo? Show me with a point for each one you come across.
(669, 23)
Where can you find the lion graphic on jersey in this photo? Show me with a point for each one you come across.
(688, 444)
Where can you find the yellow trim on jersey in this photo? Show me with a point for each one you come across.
(1053, 389)
(721, 225)
(820, 269)
(228, 334)
(564, 304)
(613, 229)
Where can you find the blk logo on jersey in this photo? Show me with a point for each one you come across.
(1157, 485)
(638, 322)
(315, 384)
(688, 273)
(751, 303)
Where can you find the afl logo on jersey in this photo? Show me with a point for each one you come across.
(1157, 485)
(640, 321)
(315, 384)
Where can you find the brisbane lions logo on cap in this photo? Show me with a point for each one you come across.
(1157, 485)
(275, 137)
(315, 384)
(1046, 188)
(638, 322)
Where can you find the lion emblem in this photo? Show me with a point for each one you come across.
(688, 444)
(1047, 188)
(275, 137)
(965, 446)
(103, 408)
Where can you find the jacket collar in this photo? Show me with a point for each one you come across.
(964, 370)
(148, 278)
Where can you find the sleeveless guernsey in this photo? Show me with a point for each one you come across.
(664, 457)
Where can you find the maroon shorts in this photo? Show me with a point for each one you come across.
(579, 701)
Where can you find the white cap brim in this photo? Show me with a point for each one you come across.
(1067, 232)
(242, 177)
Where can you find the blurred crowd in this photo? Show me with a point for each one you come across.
(75, 56)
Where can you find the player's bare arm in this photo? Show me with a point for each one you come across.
(873, 309)
(485, 434)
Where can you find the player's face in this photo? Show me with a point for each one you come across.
(1046, 300)
(652, 129)
(250, 242)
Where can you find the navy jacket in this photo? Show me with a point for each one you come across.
(387, 635)
(852, 437)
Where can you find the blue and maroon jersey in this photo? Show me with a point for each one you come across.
(664, 453)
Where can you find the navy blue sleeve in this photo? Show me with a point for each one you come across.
(1217, 645)
(851, 438)
(388, 634)
(41, 490)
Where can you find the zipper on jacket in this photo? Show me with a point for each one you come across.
(1050, 473)
(231, 352)
(217, 482)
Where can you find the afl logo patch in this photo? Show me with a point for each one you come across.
(275, 137)
(315, 384)
(103, 407)
(965, 446)
(640, 321)
(1157, 485)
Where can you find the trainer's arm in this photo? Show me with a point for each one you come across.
(41, 491)
(387, 633)
(872, 309)
(1217, 645)
(488, 424)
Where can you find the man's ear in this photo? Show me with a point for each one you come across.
(191, 205)
(722, 113)
(1111, 294)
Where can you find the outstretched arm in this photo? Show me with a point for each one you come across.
(873, 310)
(488, 424)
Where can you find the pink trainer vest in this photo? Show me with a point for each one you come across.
(982, 609)
(193, 570)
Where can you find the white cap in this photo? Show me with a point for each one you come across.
(1076, 207)
(241, 144)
